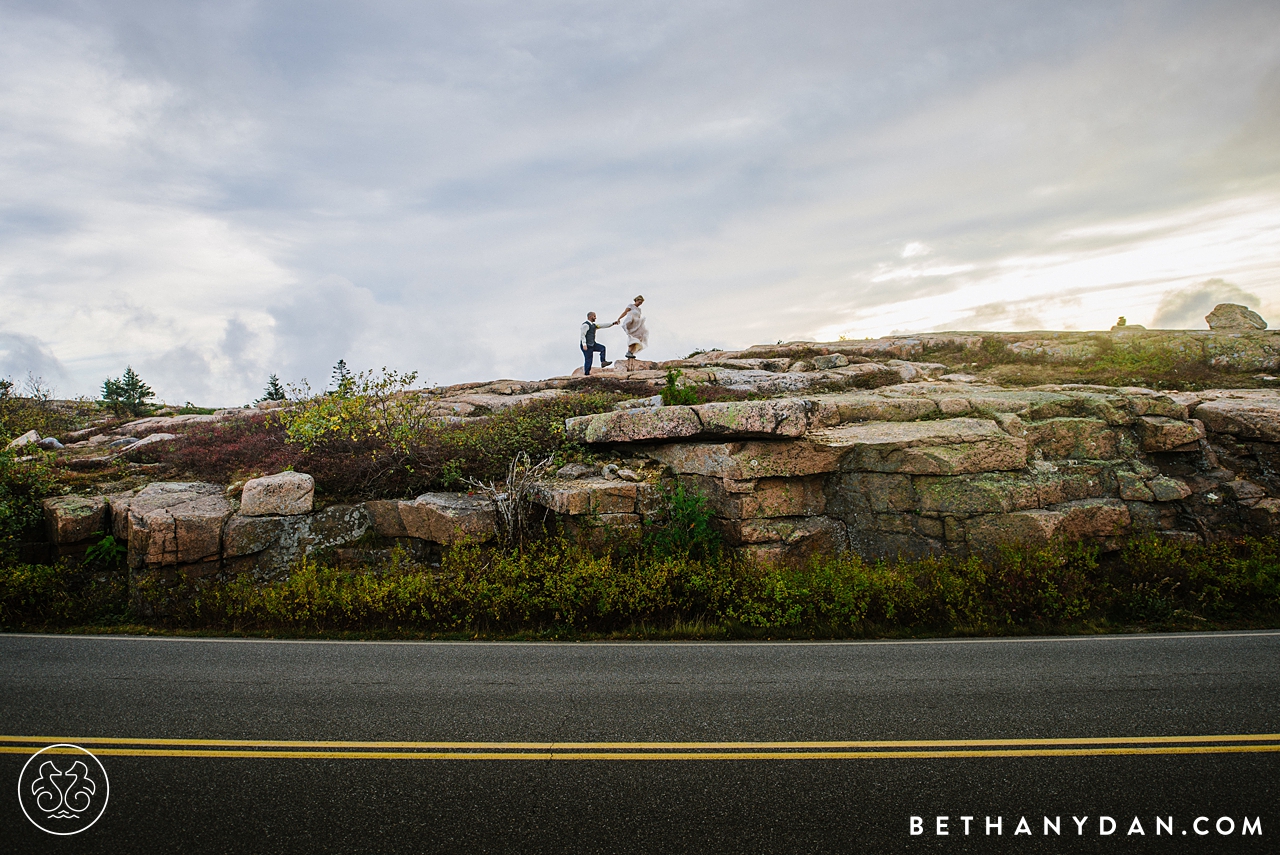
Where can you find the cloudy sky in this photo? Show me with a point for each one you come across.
(213, 191)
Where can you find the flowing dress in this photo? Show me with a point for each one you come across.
(633, 326)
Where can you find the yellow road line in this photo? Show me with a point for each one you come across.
(871, 750)
(674, 755)
(700, 746)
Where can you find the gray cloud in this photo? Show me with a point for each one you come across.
(1186, 309)
(21, 355)
(227, 190)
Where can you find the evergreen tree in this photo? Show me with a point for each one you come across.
(341, 379)
(127, 393)
(274, 391)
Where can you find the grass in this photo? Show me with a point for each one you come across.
(556, 590)
(1133, 362)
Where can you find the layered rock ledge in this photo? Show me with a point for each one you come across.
(944, 467)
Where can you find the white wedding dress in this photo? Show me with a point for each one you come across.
(633, 326)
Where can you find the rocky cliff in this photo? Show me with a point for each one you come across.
(894, 447)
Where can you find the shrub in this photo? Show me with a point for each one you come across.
(365, 406)
(362, 459)
(1157, 580)
(24, 484)
(106, 554)
(63, 594)
(682, 527)
(553, 585)
(36, 410)
(674, 394)
(223, 451)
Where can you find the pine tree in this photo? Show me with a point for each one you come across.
(342, 379)
(127, 393)
(274, 391)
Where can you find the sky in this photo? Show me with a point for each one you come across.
(211, 192)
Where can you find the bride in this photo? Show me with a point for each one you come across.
(633, 325)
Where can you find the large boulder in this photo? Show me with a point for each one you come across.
(1030, 528)
(155, 424)
(1233, 316)
(746, 461)
(183, 533)
(250, 535)
(449, 517)
(940, 447)
(283, 494)
(149, 440)
(385, 519)
(831, 360)
(336, 525)
(268, 546)
(1070, 521)
(764, 498)
(844, 408)
(140, 518)
(1076, 439)
(31, 437)
(71, 519)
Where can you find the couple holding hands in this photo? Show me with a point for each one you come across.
(632, 323)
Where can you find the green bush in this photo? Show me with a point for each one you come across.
(36, 410)
(682, 527)
(24, 484)
(554, 586)
(1160, 580)
(674, 394)
(36, 596)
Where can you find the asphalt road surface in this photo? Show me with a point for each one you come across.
(264, 746)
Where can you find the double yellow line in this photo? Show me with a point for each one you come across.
(930, 749)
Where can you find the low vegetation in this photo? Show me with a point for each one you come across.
(30, 406)
(1102, 360)
(377, 447)
(24, 484)
(650, 589)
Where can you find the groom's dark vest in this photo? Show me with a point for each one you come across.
(591, 335)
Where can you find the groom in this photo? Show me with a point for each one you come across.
(587, 342)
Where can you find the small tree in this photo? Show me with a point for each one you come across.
(127, 393)
(342, 379)
(274, 391)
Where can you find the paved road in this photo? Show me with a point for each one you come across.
(927, 708)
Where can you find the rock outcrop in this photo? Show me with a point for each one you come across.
(1233, 316)
(284, 494)
(932, 468)
(866, 446)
